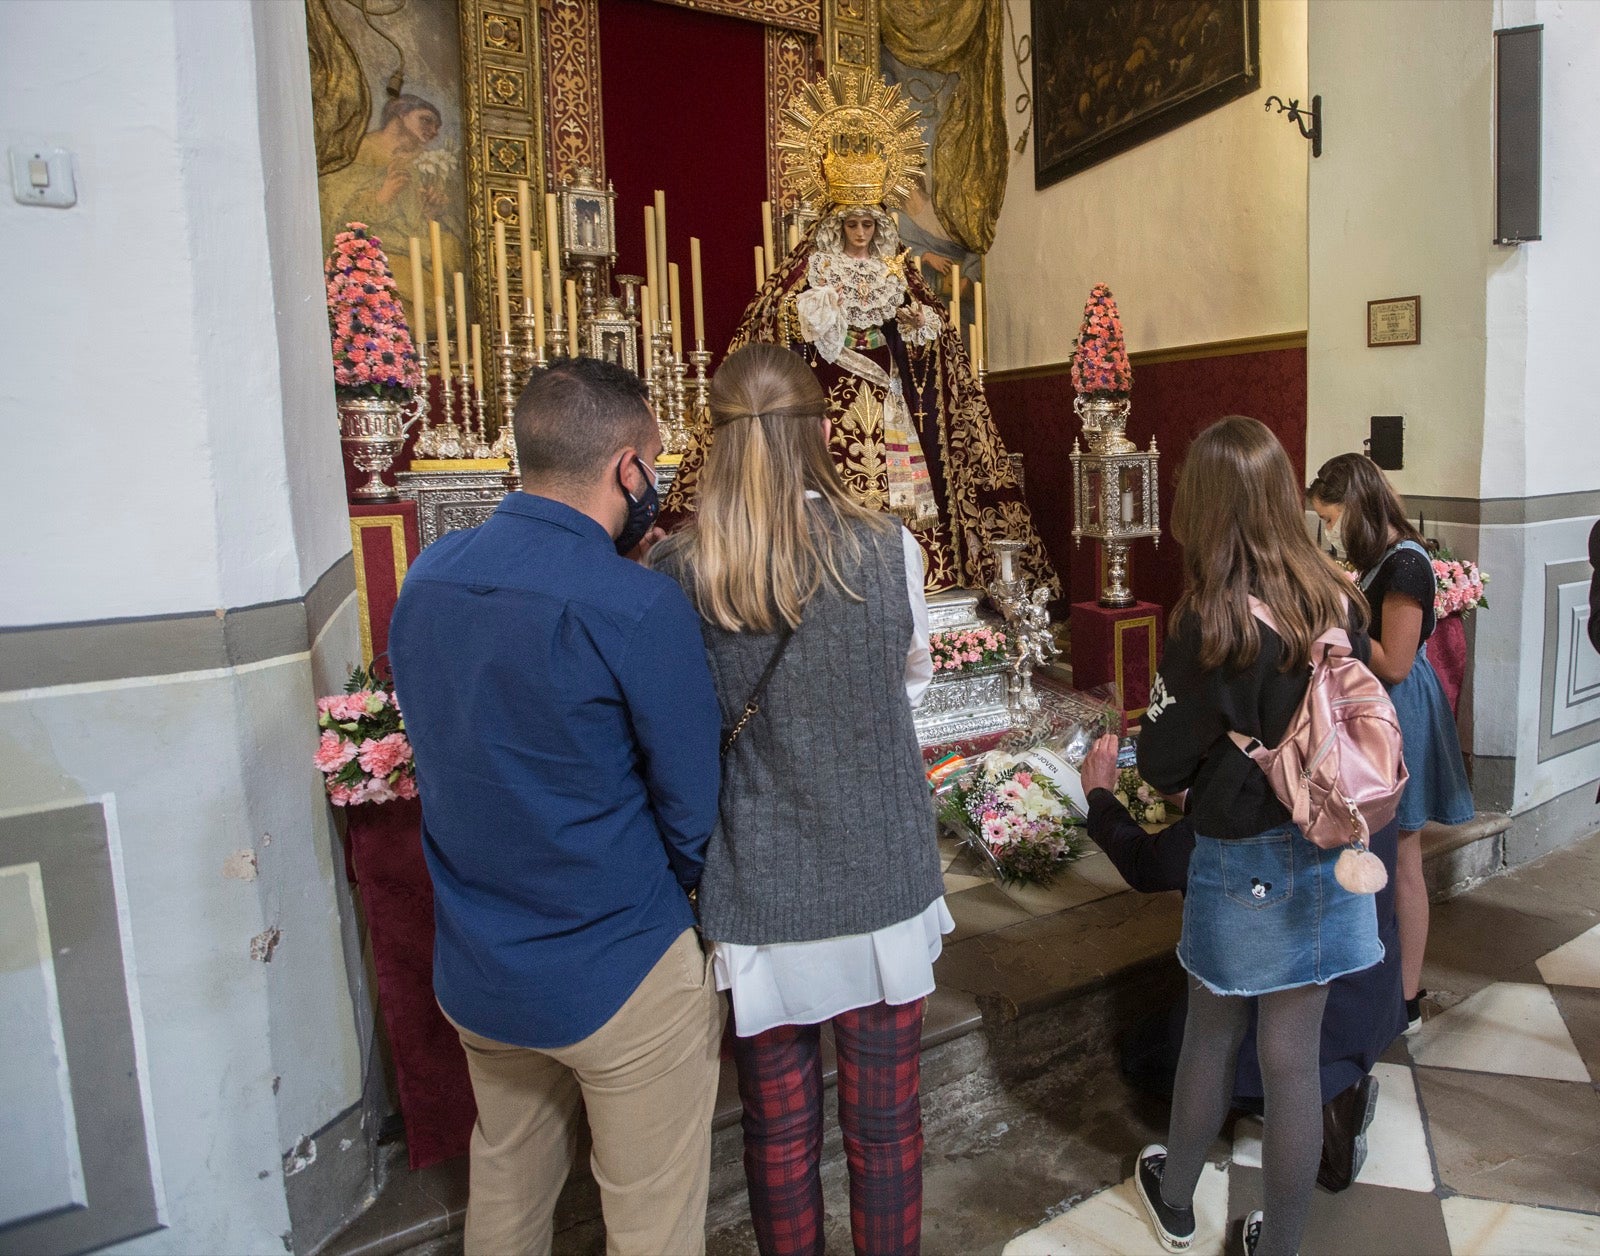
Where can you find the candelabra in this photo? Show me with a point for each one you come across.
(504, 441)
(555, 330)
(444, 440)
(475, 443)
(669, 385)
(423, 448)
(1028, 620)
(529, 352)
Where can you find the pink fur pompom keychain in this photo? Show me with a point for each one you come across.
(1359, 870)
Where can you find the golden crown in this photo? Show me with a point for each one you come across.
(850, 140)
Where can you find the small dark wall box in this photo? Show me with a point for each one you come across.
(1386, 445)
(1518, 116)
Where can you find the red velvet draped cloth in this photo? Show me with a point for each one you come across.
(386, 864)
(684, 95)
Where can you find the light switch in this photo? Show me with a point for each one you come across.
(43, 176)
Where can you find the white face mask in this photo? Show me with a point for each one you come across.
(1332, 536)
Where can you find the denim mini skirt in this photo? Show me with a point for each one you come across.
(1264, 913)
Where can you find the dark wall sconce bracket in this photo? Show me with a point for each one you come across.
(1300, 117)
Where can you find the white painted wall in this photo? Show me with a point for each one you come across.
(140, 367)
(1201, 232)
(1401, 203)
(1562, 407)
(1498, 397)
(167, 339)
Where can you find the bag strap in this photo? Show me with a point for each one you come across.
(754, 704)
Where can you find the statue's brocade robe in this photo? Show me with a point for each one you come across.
(973, 483)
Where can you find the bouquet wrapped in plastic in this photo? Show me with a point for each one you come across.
(1021, 808)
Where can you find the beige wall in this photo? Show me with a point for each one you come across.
(1201, 233)
(1401, 203)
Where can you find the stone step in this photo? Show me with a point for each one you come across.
(1455, 857)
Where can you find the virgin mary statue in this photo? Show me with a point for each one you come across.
(912, 430)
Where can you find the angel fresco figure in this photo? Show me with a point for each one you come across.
(912, 430)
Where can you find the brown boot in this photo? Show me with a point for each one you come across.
(1345, 1118)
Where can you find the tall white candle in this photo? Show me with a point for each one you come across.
(553, 244)
(694, 287)
(419, 296)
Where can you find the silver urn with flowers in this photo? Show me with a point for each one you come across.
(1113, 482)
(376, 373)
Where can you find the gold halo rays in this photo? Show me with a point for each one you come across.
(850, 140)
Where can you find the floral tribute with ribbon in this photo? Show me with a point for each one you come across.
(1026, 828)
(364, 754)
(373, 355)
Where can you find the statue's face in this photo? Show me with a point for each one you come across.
(859, 228)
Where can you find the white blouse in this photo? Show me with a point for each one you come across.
(803, 983)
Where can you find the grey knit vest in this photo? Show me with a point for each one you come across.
(826, 822)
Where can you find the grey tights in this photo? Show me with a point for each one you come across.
(1288, 1034)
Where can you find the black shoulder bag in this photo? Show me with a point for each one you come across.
(754, 704)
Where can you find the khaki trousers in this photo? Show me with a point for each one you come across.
(648, 1078)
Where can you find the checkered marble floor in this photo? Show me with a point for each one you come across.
(1486, 1138)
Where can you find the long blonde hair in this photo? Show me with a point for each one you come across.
(1239, 517)
(759, 548)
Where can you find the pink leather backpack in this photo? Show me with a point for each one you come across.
(1338, 769)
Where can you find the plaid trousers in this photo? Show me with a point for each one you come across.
(880, 1115)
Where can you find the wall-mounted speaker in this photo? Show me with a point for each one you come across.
(1518, 110)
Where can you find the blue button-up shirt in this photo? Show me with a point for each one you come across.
(566, 732)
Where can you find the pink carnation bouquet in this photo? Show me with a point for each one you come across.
(1100, 365)
(364, 754)
(966, 650)
(372, 351)
(1458, 585)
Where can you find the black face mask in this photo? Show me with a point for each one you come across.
(642, 510)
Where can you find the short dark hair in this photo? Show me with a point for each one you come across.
(573, 418)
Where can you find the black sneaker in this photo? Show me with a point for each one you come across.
(1414, 1011)
(1252, 1232)
(1174, 1226)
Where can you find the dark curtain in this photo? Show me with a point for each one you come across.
(684, 112)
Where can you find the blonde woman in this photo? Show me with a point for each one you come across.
(822, 890)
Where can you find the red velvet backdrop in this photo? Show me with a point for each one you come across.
(1172, 401)
(683, 93)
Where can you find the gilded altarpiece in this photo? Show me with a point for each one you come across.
(486, 130)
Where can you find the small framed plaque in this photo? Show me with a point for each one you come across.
(1394, 321)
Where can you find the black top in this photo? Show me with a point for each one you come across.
(1184, 742)
(1149, 862)
(1408, 572)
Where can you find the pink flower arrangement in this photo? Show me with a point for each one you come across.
(1100, 364)
(974, 647)
(1025, 828)
(372, 351)
(364, 754)
(1458, 585)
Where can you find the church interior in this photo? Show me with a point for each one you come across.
(347, 234)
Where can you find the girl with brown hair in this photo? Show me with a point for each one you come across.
(1264, 919)
(1364, 515)
(822, 890)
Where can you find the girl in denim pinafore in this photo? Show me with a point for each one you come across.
(1264, 920)
(1365, 516)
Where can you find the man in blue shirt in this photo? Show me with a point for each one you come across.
(566, 730)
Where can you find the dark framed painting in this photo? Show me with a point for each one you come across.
(1110, 74)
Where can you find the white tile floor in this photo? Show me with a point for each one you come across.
(1508, 1028)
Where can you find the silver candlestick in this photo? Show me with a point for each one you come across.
(1028, 620)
